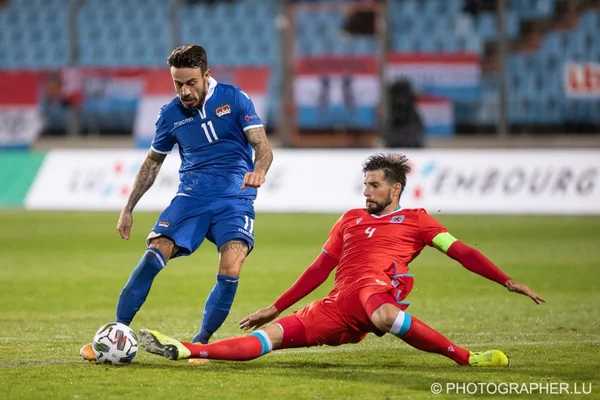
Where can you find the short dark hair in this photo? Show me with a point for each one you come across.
(189, 56)
(394, 166)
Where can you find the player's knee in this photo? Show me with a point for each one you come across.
(275, 334)
(165, 245)
(383, 317)
(233, 268)
(233, 255)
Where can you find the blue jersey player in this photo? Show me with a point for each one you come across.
(216, 128)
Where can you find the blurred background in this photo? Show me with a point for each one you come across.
(419, 75)
(395, 73)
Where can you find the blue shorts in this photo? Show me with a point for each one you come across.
(188, 221)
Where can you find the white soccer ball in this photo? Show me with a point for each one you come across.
(115, 344)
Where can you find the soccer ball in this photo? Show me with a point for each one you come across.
(115, 344)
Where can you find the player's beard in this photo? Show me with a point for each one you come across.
(374, 207)
(197, 102)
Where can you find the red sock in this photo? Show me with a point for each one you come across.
(424, 337)
(236, 349)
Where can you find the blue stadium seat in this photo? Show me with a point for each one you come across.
(463, 25)
(552, 110)
(533, 9)
(427, 44)
(402, 43)
(410, 7)
(454, 7)
(365, 45)
(473, 45)
(487, 25)
(590, 22)
(554, 44)
(450, 45)
(576, 49)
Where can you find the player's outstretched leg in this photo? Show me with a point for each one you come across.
(490, 358)
(416, 333)
(156, 343)
(241, 348)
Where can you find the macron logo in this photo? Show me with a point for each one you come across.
(183, 122)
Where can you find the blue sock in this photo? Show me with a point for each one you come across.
(138, 286)
(217, 307)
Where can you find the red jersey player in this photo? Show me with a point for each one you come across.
(371, 248)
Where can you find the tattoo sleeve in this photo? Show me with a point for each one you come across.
(145, 178)
(264, 155)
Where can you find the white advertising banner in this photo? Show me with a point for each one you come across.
(442, 181)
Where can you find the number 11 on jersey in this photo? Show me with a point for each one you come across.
(249, 225)
(212, 131)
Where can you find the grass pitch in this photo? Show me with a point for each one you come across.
(61, 274)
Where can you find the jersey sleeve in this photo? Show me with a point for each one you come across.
(429, 228)
(245, 112)
(163, 140)
(335, 242)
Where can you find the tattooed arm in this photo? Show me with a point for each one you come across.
(262, 159)
(145, 178)
(143, 181)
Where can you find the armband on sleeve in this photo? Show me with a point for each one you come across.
(443, 241)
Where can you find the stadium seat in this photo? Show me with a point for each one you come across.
(487, 25)
(533, 9)
(463, 25)
(126, 33)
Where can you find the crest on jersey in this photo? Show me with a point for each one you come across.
(223, 110)
(397, 219)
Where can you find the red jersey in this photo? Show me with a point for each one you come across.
(373, 250)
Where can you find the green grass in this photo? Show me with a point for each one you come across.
(61, 274)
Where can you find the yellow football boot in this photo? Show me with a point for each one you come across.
(490, 358)
(156, 343)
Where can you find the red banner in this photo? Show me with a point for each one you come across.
(19, 88)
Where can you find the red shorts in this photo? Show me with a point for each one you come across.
(344, 318)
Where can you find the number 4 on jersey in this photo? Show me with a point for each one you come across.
(370, 231)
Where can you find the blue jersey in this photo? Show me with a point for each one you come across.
(215, 153)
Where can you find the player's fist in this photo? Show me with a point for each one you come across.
(253, 179)
(516, 287)
(124, 224)
(259, 318)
